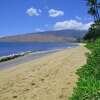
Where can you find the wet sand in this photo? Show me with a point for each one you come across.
(21, 60)
(51, 77)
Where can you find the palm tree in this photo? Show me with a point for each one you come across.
(94, 30)
(93, 10)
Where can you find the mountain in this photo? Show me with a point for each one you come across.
(48, 36)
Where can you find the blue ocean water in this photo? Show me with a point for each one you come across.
(8, 48)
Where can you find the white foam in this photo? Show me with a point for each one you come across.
(31, 52)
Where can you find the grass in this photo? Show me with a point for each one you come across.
(88, 85)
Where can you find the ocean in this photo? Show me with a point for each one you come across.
(9, 48)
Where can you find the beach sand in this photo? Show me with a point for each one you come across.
(51, 77)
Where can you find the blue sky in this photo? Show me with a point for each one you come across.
(25, 16)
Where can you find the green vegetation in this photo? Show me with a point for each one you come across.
(88, 86)
(94, 31)
(93, 10)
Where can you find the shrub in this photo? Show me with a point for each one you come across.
(93, 33)
(88, 86)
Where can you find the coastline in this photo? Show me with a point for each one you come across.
(7, 57)
(20, 58)
(51, 77)
(24, 57)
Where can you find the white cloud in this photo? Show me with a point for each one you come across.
(55, 13)
(72, 24)
(33, 12)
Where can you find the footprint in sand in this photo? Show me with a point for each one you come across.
(26, 90)
(15, 96)
(33, 84)
(61, 96)
(42, 79)
(68, 83)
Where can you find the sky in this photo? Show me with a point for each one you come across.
(26, 16)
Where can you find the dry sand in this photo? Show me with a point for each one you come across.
(51, 77)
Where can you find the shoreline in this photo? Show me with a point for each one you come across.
(17, 55)
(30, 56)
(14, 56)
(51, 77)
(16, 59)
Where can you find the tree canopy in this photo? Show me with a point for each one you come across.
(93, 10)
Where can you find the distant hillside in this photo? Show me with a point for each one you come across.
(48, 36)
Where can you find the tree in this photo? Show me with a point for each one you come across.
(94, 31)
(94, 10)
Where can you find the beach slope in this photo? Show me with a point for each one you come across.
(51, 77)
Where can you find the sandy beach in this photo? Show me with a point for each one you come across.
(51, 77)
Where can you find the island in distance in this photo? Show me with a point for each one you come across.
(48, 36)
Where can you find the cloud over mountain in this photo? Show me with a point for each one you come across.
(72, 24)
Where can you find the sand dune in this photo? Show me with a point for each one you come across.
(51, 77)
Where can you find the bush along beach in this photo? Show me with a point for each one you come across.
(88, 85)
